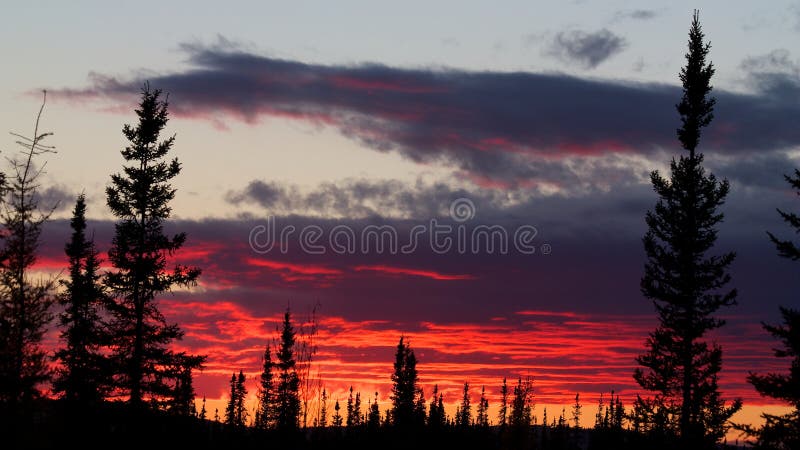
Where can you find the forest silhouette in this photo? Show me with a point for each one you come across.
(117, 380)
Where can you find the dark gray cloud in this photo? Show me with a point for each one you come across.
(636, 14)
(587, 49)
(58, 198)
(775, 73)
(595, 238)
(492, 127)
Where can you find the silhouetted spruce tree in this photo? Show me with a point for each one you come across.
(323, 409)
(337, 418)
(482, 415)
(265, 412)
(780, 431)
(349, 417)
(787, 248)
(139, 197)
(203, 412)
(24, 302)
(576, 411)
(435, 415)
(84, 377)
(230, 408)
(356, 422)
(374, 417)
(216, 415)
(685, 283)
(287, 400)
(420, 411)
(182, 401)
(502, 414)
(464, 416)
(404, 386)
(240, 410)
(522, 404)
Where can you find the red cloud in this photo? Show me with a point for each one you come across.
(389, 270)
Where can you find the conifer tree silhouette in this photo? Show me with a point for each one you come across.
(323, 409)
(685, 282)
(287, 400)
(781, 431)
(464, 416)
(265, 412)
(404, 386)
(85, 375)
(24, 302)
(139, 197)
(502, 414)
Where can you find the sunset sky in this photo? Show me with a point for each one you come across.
(531, 115)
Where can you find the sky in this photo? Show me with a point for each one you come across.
(348, 134)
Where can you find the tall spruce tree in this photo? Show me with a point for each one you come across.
(230, 408)
(265, 412)
(349, 419)
(522, 404)
(576, 411)
(482, 415)
(287, 400)
(24, 302)
(502, 413)
(139, 197)
(685, 282)
(84, 377)
(239, 408)
(323, 409)
(464, 416)
(405, 386)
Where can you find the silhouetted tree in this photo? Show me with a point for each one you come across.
(599, 418)
(24, 302)
(576, 411)
(464, 415)
(265, 411)
(84, 377)
(436, 416)
(236, 413)
(780, 431)
(305, 350)
(323, 409)
(349, 419)
(522, 404)
(203, 412)
(685, 283)
(286, 396)
(337, 418)
(502, 414)
(230, 409)
(182, 401)
(404, 386)
(374, 417)
(139, 197)
(356, 422)
(482, 418)
(241, 395)
(786, 248)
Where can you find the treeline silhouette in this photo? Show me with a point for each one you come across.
(120, 383)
